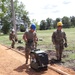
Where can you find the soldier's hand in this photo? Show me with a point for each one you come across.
(54, 43)
(16, 40)
(65, 44)
(26, 40)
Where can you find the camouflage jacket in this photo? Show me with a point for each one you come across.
(12, 36)
(30, 36)
(59, 37)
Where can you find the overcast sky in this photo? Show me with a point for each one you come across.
(42, 9)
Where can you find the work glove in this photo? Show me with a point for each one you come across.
(54, 43)
(16, 40)
(65, 44)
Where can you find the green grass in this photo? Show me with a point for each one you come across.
(46, 44)
(46, 36)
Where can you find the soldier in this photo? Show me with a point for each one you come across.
(13, 38)
(30, 39)
(59, 40)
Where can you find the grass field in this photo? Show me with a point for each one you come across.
(45, 35)
(46, 43)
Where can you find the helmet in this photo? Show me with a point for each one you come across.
(59, 24)
(33, 26)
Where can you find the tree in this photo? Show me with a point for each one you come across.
(43, 25)
(19, 11)
(72, 21)
(2, 8)
(22, 28)
(48, 20)
(66, 22)
(36, 23)
(55, 22)
(26, 19)
(6, 25)
(13, 16)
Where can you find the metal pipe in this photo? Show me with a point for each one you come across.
(58, 70)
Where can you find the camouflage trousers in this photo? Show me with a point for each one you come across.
(59, 49)
(13, 43)
(28, 49)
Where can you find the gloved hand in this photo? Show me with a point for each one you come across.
(16, 40)
(54, 43)
(65, 44)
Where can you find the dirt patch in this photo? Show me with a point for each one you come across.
(66, 61)
(12, 63)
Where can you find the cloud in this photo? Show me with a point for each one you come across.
(55, 11)
(66, 2)
(31, 13)
(54, 6)
(42, 9)
(49, 6)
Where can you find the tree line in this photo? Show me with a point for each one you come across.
(68, 22)
(22, 16)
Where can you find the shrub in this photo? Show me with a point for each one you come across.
(6, 27)
(22, 28)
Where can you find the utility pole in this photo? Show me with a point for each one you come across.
(13, 16)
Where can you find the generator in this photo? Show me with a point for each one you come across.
(38, 60)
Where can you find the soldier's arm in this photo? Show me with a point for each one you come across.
(10, 36)
(24, 37)
(36, 37)
(16, 39)
(35, 40)
(53, 37)
(65, 38)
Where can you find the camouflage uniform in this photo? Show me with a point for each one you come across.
(58, 39)
(30, 43)
(13, 38)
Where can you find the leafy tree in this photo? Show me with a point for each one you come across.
(19, 11)
(66, 22)
(2, 8)
(26, 19)
(55, 22)
(57, 19)
(43, 25)
(48, 20)
(72, 21)
(22, 28)
(6, 25)
(36, 23)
